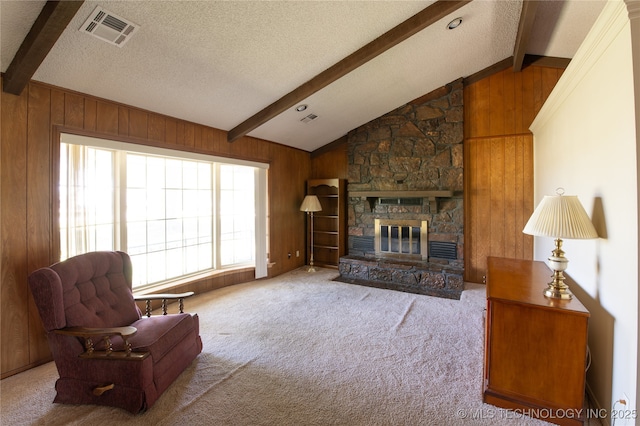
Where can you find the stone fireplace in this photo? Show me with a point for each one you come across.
(405, 200)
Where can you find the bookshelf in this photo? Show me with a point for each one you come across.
(329, 238)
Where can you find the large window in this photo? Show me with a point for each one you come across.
(174, 215)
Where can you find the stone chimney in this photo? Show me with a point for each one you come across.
(408, 166)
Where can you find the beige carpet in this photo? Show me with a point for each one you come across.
(302, 349)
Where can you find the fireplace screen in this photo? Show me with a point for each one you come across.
(401, 238)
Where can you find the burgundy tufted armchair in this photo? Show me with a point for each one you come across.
(106, 353)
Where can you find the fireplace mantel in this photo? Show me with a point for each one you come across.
(401, 194)
(372, 196)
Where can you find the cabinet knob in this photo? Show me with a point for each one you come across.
(484, 279)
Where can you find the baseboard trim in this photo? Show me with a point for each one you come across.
(595, 405)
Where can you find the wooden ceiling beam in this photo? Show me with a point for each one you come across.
(489, 71)
(53, 19)
(386, 41)
(527, 17)
(546, 61)
(540, 61)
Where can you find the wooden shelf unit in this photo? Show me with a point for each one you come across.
(535, 347)
(329, 226)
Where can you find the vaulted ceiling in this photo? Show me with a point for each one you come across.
(244, 66)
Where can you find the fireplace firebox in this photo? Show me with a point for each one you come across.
(401, 238)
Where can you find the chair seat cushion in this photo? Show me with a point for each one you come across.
(159, 334)
(173, 342)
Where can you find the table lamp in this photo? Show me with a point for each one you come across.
(560, 216)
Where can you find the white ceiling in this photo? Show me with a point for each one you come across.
(218, 63)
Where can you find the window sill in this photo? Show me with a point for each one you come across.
(172, 285)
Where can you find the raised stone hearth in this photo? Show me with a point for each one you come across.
(411, 277)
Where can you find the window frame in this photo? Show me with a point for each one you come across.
(63, 135)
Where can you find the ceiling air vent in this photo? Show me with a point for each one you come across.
(309, 118)
(109, 27)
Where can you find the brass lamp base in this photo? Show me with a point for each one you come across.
(557, 289)
(311, 267)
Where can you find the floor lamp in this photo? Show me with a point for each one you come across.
(311, 204)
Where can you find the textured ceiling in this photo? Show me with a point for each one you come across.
(219, 62)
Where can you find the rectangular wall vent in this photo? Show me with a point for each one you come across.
(109, 27)
(443, 250)
(400, 201)
(363, 243)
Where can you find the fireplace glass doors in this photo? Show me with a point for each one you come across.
(401, 238)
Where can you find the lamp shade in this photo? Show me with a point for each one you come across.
(560, 216)
(310, 204)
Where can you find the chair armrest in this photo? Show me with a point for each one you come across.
(164, 297)
(88, 334)
(127, 331)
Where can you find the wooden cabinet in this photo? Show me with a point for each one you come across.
(535, 347)
(329, 225)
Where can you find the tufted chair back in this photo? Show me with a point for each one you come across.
(92, 290)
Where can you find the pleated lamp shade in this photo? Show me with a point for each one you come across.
(310, 204)
(560, 216)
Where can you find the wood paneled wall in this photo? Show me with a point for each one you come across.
(506, 103)
(331, 164)
(498, 111)
(499, 174)
(31, 121)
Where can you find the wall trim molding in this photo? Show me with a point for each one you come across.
(612, 20)
(634, 9)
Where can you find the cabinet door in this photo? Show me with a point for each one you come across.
(537, 355)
